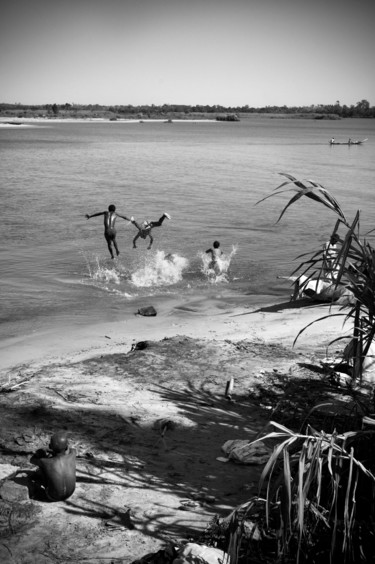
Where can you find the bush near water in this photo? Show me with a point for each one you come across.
(180, 111)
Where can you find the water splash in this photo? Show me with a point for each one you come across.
(217, 271)
(159, 269)
(101, 272)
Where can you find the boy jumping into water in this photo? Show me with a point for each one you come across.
(215, 253)
(109, 226)
(144, 230)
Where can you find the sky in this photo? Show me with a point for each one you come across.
(210, 52)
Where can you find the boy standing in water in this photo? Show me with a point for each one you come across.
(57, 468)
(144, 230)
(330, 252)
(109, 226)
(215, 253)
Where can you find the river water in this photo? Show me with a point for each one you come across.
(55, 267)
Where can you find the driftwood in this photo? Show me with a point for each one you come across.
(7, 388)
(229, 389)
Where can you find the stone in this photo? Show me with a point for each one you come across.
(7, 470)
(193, 553)
(10, 491)
(246, 452)
(148, 311)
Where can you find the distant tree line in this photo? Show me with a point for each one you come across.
(361, 109)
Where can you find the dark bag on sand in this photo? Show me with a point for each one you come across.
(140, 346)
(148, 311)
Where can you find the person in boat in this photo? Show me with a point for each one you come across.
(215, 253)
(330, 264)
(56, 474)
(144, 229)
(110, 217)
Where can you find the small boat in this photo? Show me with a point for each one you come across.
(228, 117)
(350, 142)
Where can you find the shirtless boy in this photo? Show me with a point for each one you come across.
(57, 468)
(215, 253)
(110, 217)
(144, 230)
(330, 252)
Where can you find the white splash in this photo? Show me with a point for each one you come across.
(103, 273)
(159, 269)
(217, 271)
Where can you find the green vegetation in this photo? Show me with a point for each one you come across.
(355, 266)
(181, 111)
(316, 502)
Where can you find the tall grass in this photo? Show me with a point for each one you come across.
(317, 490)
(318, 498)
(354, 269)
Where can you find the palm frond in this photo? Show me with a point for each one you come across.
(311, 190)
(329, 316)
(313, 479)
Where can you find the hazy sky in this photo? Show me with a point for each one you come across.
(228, 52)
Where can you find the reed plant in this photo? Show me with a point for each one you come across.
(316, 500)
(353, 271)
(317, 496)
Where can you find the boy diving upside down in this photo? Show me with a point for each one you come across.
(144, 230)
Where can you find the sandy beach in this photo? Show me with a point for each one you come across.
(20, 121)
(266, 318)
(147, 423)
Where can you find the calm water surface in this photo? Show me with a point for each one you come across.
(56, 269)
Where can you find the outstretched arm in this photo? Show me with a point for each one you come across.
(94, 214)
(210, 252)
(123, 217)
(135, 223)
(151, 241)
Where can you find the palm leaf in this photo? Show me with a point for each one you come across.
(316, 321)
(307, 188)
(315, 482)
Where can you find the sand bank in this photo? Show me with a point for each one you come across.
(148, 425)
(19, 122)
(270, 319)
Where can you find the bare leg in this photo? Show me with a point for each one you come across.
(110, 239)
(159, 222)
(116, 247)
(110, 249)
(109, 244)
(134, 240)
(294, 296)
(37, 485)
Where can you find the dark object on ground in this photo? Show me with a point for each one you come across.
(163, 556)
(140, 346)
(148, 311)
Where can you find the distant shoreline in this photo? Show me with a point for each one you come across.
(17, 120)
(29, 120)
